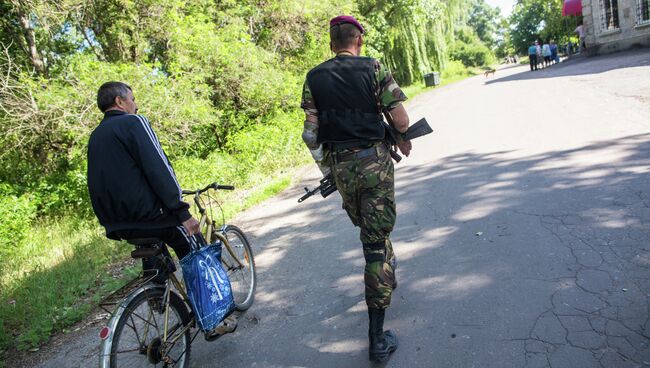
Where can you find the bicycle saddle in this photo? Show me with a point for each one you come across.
(145, 247)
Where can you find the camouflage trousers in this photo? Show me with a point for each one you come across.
(367, 187)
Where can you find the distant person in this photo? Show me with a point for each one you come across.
(532, 56)
(538, 52)
(546, 53)
(554, 56)
(580, 30)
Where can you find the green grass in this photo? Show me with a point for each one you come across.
(50, 283)
(276, 186)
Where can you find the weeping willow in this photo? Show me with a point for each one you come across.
(413, 35)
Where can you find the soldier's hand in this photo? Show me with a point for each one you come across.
(405, 147)
(191, 225)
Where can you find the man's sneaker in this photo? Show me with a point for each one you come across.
(228, 325)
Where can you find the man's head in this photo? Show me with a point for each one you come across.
(116, 96)
(346, 34)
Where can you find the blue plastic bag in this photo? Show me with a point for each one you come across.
(207, 286)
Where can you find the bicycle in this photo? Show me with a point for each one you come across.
(152, 318)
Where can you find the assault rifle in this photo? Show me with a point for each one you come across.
(327, 186)
(421, 127)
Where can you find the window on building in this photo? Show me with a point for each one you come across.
(642, 11)
(609, 14)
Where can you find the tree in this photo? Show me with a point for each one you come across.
(485, 20)
(413, 36)
(533, 20)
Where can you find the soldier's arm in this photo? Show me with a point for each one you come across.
(400, 118)
(391, 97)
(310, 130)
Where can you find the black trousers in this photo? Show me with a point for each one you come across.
(533, 62)
(176, 237)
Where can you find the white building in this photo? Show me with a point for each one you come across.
(614, 25)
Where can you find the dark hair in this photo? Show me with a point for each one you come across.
(343, 35)
(107, 93)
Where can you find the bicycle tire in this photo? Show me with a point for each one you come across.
(242, 280)
(146, 355)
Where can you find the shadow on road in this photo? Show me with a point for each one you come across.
(465, 267)
(583, 66)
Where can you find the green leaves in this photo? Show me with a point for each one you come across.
(470, 50)
(412, 36)
(17, 213)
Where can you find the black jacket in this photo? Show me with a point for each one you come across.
(131, 183)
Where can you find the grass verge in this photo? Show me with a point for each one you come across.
(50, 285)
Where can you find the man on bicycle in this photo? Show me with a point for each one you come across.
(343, 99)
(132, 186)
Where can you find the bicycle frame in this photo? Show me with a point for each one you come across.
(206, 221)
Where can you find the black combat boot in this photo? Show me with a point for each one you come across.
(382, 343)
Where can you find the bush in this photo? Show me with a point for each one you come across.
(470, 50)
(17, 213)
(455, 69)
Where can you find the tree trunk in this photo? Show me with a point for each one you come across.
(34, 55)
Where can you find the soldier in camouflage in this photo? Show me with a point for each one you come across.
(343, 99)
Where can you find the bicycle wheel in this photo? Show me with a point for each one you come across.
(241, 274)
(137, 341)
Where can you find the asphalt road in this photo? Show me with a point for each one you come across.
(523, 237)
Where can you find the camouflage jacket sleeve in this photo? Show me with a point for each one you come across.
(389, 94)
(310, 129)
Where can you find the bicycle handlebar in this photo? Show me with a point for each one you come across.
(209, 186)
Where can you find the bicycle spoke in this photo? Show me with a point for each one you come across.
(144, 320)
(137, 336)
(126, 351)
(155, 323)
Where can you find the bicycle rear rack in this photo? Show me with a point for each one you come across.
(109, 302)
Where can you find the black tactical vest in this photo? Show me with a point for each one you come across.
(344, 91)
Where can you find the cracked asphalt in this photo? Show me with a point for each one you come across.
(523, 237)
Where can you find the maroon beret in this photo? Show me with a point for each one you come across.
(346, 19)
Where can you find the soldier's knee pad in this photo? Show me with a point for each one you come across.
(375, 252)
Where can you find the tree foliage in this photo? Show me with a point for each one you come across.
(485, 21)
(413, 36)
(470, 49)
(207, 73)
